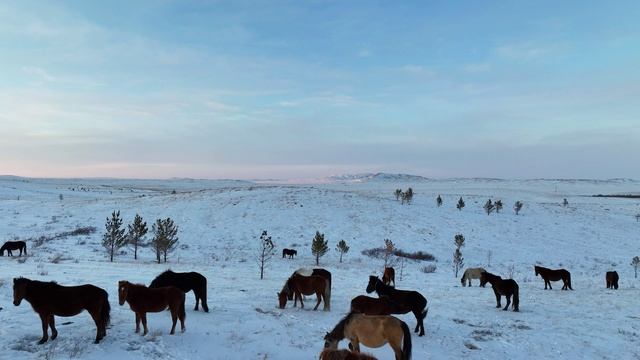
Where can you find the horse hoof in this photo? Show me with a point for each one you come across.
(42, 341)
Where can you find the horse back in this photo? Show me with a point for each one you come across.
(69, 300)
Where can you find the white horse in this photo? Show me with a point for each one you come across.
(471, 273)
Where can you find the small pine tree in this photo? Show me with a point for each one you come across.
(635, 262)
(460, 204)
(398, 194)
(565, 202)
(342, 248)
(458, 260)
(165, 239)
(113, 238)
(265, 252)
(389, 247)
(498, 206)
(439, 201)
(489, 207)
(135, 237)
(637, 215)
(319, 246)
(517, 206)
(60, 197)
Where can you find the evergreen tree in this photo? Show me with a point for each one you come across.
(635, 262)
(137, 230)
(458, 260)
(342, 248)
(439, 201)
(498, 206)
(265, 252)
(113, 239)
(398, 194)
(165, 239)
(489, 207)
(319, 246)
(460, 204)
(518, 206)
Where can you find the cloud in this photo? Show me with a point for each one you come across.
(522, 52)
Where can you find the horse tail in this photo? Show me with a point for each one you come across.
(406, 341)
(25, 249)
(105, 312)
(203, 298)
(516, 298)
(327, 294)
(569, 280)
(425, 312)
(283, 253)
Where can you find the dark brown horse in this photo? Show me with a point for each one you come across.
(186, 282)
(411, 300)
(49, 299)
(612, 279)
(142, 300)
(376, 306)
(508, 288)
(304, 285)
(13, 245)
(389, 276)
(289, 252)
(549, 275)
(344, 354)
(317, 272)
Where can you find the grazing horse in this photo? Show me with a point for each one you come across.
(549, 275)
(13, 245)
(344, 354)
(304, 285)
(142, 300)
(376, 306)
(508, 288)
(186, 282)
(49, 299)
(289, 252)
(612, 279)
(388, 276)
(317, 272)
(372, 331)
(471, 273)
(411, 300)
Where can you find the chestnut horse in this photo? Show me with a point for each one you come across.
(13, 245)
(142, 300)
(49, 299)
(506, 287)
(304, 285)
(186, 282)
(317, 272)
(612, 279)
(411, 300)
(372, 331)
(549, 275)
(344, 354)
(389, 276)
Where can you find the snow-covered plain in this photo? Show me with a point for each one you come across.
(220, 223)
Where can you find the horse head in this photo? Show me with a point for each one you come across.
(536, 269)
(19, 290)
(282, 299)
(373, 281)
(462, 279)
(123, 291)
(330, 342)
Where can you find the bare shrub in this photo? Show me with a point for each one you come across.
(429, 269)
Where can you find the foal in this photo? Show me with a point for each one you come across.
(141, 300)
(501, 287)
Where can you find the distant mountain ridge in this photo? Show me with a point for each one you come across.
(400, 177)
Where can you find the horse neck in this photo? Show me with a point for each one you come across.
(338, 331)
(134, 292)
(383, 289)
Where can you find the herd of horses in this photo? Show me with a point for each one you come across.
(370, 321)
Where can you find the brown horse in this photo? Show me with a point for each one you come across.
(372, 331)
(142, 300)
(317, 272)
(13, 245)
(332, 354)
(411, 300)
(304, 285)
(549, 275)
(376, 306)
(612, 279)
(508, 288)
(49, 299)
(388, 276)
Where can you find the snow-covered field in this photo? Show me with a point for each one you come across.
(220, 223)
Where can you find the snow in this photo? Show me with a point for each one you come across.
(221, 221)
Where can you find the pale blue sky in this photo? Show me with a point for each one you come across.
(294, 89)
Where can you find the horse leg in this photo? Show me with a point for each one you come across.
(95, 315)
(45, 327)
(52, 325)
(508, 302)
(319, 296)
(497, 299)
(397, 348)
(174, 319)
(354, 345)
(137, 323)
(197, 299)
(143, 317)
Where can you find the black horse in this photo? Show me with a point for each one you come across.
(289, 252)
(13, 245)
(549, 275)
(508, 288)
(612, 279)
(186, 282)
(412, 301)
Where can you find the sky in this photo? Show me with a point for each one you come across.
(303, 89)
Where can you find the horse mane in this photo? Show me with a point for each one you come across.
(338, 330)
